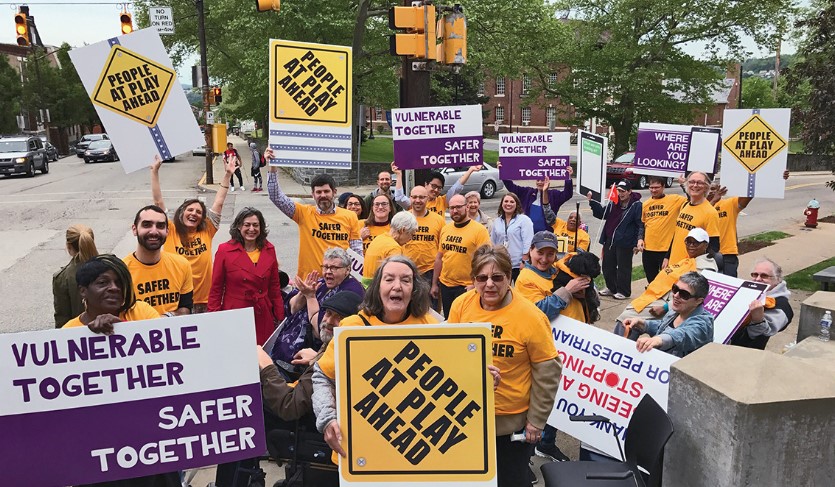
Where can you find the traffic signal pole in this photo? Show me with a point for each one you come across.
(204, 74)
(414, 92)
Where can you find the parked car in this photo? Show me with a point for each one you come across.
(486, 181)
(51, 150)
(621, 168)
(23, 155)
(199, 151)
(84, 141)
(100, 150)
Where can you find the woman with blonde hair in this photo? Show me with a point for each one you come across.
(67, 303)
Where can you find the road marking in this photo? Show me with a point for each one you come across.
(806, 185)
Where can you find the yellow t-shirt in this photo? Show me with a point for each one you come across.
(532, 286)
(438, 205)
(383, 246)
(326, 361)
(561, 230)
(423, 247)
(703, 216)
(161, 284)
(458, 244)
(140, 311)
(659, 217)
(728, 210)
(254, 255)
(198, 252)
(318, 233)
(521, 337)
(374, 232)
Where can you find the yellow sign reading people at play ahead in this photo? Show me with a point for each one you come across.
(416, 404)
(754, 143)
(310, 83)
(133, 86)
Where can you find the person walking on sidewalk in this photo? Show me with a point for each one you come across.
(257, 184)
(229, 152)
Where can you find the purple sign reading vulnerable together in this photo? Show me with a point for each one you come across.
(434, 137)
(534, 156)
(152, 398)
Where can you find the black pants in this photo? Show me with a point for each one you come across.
(730, 267)
(512, 462)
(448, 295)
(617, 269)
(652, 261)
(514, 273)
(256, 177)
(427, 276)
(240, 178)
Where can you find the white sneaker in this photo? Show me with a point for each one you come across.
(232, 189)
(605, 292)
(619, 296)
(243, 189)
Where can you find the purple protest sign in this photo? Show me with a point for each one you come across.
(663, 151)
(534, 156)
(151, 398)
(718, 297)
(435, 137)
(728, 299)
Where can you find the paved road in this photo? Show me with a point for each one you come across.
(37, 212)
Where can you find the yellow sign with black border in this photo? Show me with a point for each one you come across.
(416, 404)
(754, 143)
(133, 86)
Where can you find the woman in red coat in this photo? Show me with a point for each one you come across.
(245, 274)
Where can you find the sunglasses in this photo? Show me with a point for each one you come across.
(685, 295)
(493, 277)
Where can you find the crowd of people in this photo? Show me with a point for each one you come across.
(517, 270)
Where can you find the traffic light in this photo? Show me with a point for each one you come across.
(210, 97)
(127, 22)
(452, 29)
(419, 24)
(267, 5)
(217, 92)
(22, 29)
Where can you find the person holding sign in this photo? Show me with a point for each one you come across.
(513, 230)
(698, 212)
(321, 226)
(66, 299)
(659, 216)
(523, 351)
(532, 198)
(194, 229)
(434, 185)
(403, 226)
(246, 274)
(768, 318)
(687, 327)
(397, 296)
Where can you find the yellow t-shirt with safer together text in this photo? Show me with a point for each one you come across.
(728, 211)
(140, 311)
(703, 216)
(438, 205)
(198, 252)
(458, 244)
(659, 217)
(561, 230)
(327, 360)
(161, 284)
(383, 246)
(374, 232)
(318, 232)
(423, 247)
(521, 337)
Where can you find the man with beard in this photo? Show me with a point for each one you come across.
(458, 242)
(320, 227)
(383, 187)
(162, 279)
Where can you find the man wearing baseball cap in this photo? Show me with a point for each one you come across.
(619, 238)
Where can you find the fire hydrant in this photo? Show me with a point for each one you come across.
(812, 213)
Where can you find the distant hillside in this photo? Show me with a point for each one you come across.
(764, 67)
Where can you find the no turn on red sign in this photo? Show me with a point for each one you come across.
(162, 18)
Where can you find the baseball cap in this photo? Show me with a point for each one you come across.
(343, 303)
(544, 239)
(699, 234)
(625, 185)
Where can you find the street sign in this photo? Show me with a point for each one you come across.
(754, 143)
(162, 19)
(755, 151)
(210, 117)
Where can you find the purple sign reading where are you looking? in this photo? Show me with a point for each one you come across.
(661, 151)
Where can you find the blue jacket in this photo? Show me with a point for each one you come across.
(623, 225)
(527, 195)
(693, 333)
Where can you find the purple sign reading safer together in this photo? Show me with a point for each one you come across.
(435, 137)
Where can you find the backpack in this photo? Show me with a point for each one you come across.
(263, 162)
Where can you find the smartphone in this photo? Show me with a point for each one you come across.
(518, 436)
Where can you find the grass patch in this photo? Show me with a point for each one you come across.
(796, 146)
(802, 279)
(766, 236)
(381, 149)
(637, 274)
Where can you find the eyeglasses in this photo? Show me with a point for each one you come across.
(382, 204)
(690, 242)
(435, 186)
(333, 268)
(457, 207)
(696, 183)
(493, 277)
(353, 203)
(685, 295)
(758, 275)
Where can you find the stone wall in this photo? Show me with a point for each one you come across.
(810, 162)
(368, 174)
(811, 312)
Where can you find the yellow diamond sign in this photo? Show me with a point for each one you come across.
(133, 86)
(754, 143)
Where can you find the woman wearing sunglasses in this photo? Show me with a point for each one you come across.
(686, 327)
(524, 352)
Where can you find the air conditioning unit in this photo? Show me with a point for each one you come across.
(525, 123)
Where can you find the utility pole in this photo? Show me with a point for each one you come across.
(204, 75)
(414, 92)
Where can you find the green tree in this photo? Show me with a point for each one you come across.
(9, 95)
(758, 93)
(625, 61)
